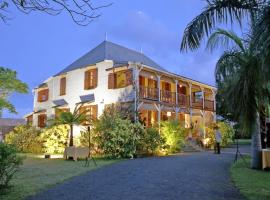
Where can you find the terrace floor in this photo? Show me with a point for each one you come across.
(186, 176)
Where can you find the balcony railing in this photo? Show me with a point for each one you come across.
(167, 96)
(183, 100)
(148, 93)
(197, 103)
(170, 97)
(209, 105)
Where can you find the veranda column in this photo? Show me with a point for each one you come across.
(159, 116)
(214, 97)
(190, 104)
(176, 92)
(202, 97)
(203, 124)
(158, 82)
(136, 91)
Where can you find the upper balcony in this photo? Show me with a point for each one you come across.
(174, 94)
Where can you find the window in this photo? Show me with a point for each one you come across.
(62, 86)
(43, 95)
(89, 111)
(197, 96)
(29, 119)
(58, 111)
(120, 79)
(152, 83)
(90, 79)
(42, 118)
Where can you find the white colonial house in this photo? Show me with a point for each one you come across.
(111, 73)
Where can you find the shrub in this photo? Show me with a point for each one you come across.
(117, 137)
(151, 141)
(227, 133)
(9, 164)
(54, 139)
(25, 138)
(173, 134)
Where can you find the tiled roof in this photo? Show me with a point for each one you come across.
(110, 51)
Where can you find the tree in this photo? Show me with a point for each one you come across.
(244, 85)
(216, 12)
(82, 12)
(9, 83)
(249, 64)
(71, 118)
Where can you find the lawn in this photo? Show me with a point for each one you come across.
(37, 174)
(253, 184)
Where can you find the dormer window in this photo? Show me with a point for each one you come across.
(43, 95)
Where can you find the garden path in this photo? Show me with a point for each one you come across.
(203, 176)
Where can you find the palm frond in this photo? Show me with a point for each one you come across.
(216, 12)
(225, 39)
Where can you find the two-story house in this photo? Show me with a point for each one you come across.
(111, 73)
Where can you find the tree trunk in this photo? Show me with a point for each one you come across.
(71, 136)
(256, 146)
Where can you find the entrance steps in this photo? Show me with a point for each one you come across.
(191, 146)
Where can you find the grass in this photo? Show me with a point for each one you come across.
(37, 174)
(253, 184)
(242, 142)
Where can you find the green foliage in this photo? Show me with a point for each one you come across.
(117, 137)
(8, 85)
(54, 139)
(151, 141)
(226, 130)
(71, 118)
(173, 134)
(25, 138)
(9, 164)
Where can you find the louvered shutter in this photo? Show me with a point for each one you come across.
(111, 81)
(86, 80)
(63, 86)
(129, 77)
(94, 111)
(141, 80)
(95, 78)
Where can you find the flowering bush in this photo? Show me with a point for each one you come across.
(54, 139)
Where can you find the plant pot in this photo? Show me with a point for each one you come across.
(47, 156)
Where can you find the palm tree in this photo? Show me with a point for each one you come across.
(216, 12)
(243, 83)
(71, 118)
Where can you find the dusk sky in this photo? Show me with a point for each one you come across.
(38, 46)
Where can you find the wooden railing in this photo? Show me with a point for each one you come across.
(148, 93)
(170, 97)
(167, 96)
(197, 103)
(209, 105)
(183, 100)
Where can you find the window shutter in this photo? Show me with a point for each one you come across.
(95, 78)
(42, 118)
(111, 81)
(46, 94)
(63, 86)
(86, 80)
(94, 111)
(39, 96)
(129, 77)
(141, 80)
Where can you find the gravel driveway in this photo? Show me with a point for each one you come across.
(183, 177)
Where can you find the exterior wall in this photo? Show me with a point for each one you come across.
(75, 89)
(104, 96)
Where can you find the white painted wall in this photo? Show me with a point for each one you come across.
(75, 89)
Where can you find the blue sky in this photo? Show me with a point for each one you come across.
(38, 45)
